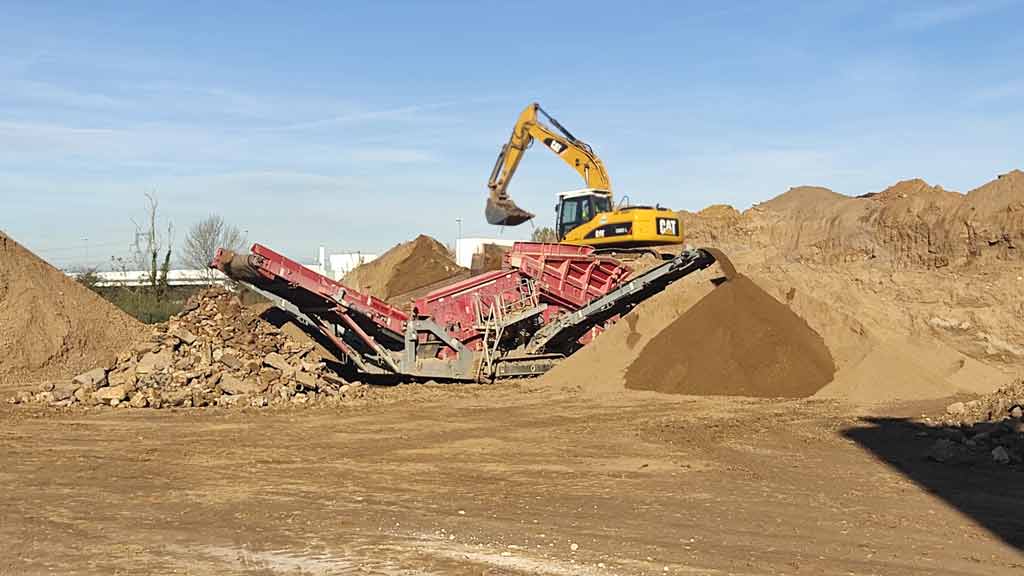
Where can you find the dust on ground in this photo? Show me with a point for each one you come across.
(504, 479)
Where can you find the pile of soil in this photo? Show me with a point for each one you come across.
(736, 341)
(51, 326)
(911, 368)
(215, 353)
(908, 224)
(405, 269)
(599, 367)
(491, 257)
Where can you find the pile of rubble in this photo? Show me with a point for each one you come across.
(991, 427)
(215, 353)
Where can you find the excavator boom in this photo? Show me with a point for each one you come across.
(501, 210)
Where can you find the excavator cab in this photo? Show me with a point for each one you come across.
(578, 207)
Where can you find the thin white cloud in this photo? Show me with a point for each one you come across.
(934, 14)
(62, 97)
(393, 155)
(1000, 91)
(401, 112)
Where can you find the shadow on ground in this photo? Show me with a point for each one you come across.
(992, 494)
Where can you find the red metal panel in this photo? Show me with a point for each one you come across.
(276, 265)
(570, 275)
(562, 276)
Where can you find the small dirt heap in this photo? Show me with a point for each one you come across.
(50, 325)
(990, 428)
(736, 341)
(405, 269)
(215, 353)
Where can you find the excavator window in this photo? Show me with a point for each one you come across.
(569, 215)
(577, 211)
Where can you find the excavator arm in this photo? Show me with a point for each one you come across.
(501, 210)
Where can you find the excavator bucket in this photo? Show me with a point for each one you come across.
(504, 212)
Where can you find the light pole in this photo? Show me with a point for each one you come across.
(458, 236)
(86, 240)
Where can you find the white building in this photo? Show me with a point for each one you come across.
(337, 265)
(179, 277)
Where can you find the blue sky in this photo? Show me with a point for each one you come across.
(359, 125)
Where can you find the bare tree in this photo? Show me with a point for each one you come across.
(205, 236)
(149, 245)
(544, 234)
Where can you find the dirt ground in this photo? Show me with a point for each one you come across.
(500, 479)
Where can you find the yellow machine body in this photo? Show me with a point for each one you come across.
(588, 216)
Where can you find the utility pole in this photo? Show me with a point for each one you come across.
(86, 240)
(458, 236)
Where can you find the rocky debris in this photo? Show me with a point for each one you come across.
(215, 353)
(1007, 402)
(990, 428)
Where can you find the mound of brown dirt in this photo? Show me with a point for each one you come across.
(50, 326)
(491, 258)
(599, 367)
(404, 269)
(909, 224)
(736, 341)
(906, 368)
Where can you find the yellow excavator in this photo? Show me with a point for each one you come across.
(584, 217)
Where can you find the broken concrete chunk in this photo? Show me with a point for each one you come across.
(139, 400)
(96, 378)
(956, 409)
(275, 360)
(64, 390)
(154, 362)
(230, 360)
(110, 395)
(231, 384)
(306, 379)
(83, 395)
(183, 334)
(122, 378)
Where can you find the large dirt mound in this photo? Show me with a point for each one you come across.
(908, 224)
(886, 274)
(599, 368)
(737, 341)
(50, 326)
(405, 269)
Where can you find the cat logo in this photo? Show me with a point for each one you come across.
(668, 227)
(556, 146)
